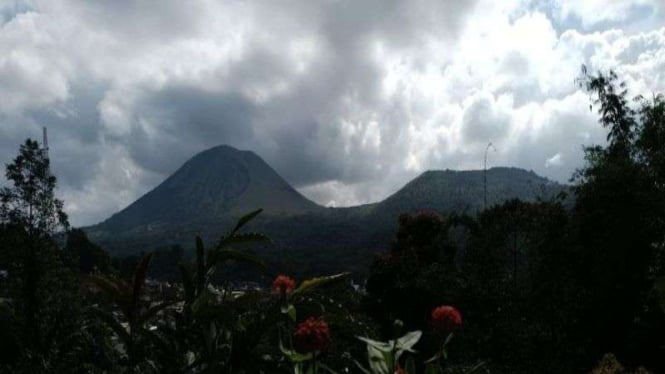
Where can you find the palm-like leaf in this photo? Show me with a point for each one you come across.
(242, 238)
(223, 255)
(200, 265)
(187, 283)
(212, 316)
(313, 283)
(138, 281)
(127, 297)
(116, 326)
(152, 311)
(245, 219)
(116, 290)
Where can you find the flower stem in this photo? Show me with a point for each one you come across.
(315, 364)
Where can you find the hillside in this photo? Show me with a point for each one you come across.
(216, 186)
(346, 238)
(463, 191)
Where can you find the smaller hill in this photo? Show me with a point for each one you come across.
(450, 191)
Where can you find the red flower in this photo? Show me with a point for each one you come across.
(311, 335)
(399, 370)
(283, 284)
(446, 318)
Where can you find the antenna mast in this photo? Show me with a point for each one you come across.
(45, 142)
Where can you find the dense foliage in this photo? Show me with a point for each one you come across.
(553, 286)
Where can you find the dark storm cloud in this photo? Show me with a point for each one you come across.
(75, 130)
(347, 100)
(308, 143)
(176, 122)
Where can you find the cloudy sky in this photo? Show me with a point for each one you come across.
(348, 100)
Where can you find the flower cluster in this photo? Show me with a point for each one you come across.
(312, 335)
(399, 370)
(283, 284)
(446, 319)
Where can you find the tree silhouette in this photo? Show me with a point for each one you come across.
(619, 213)
(31, 202)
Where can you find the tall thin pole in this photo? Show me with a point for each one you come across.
(485, 173)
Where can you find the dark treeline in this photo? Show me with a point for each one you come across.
(542, 287)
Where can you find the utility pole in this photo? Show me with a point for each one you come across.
(485, 173)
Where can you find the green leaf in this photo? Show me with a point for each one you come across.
(290, 310)
(477, 367)
(138, 281)
(187, 283)
(448, 339)
(381, 346)
(116, 290)
(153, 310)
(203, 302)
(326, 368)
(406, 342)
(320, 281)
(434, 358)
(200, 265)
(111, 322)
(294, 356)
(299, 357)
(410, 366)
(248, 299)
(379, 360)
(245, 219)
(360, 366)
(161, 343)
(390, 361)
(242, 238)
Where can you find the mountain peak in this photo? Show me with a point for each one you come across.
(215, 184)
(224, 149)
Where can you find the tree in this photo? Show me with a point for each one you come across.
(417, 274)
(42, 311)
(84, 255)
(31, 202)
(619, 214)
(520, 290)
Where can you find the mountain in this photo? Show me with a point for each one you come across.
(340, 239)
(464, 191)
(211, 190)
(215, 185)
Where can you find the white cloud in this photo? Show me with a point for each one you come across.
(347, 100)
(554, 161)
